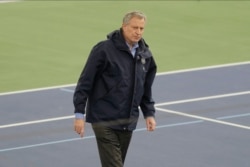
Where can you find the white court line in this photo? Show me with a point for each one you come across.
(45, 144)
(234, 116)
(67, 90)
(204, 98)
(203, 68)
(37, 89)
(158, 74)
(36, 121)
(8, 1)
(157, 105)
(90, 137)
(203, 118)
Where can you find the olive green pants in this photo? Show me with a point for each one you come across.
(112, 145)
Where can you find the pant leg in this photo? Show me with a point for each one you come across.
(124, 138)
(112, 145)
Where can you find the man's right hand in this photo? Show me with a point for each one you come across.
(79, 126)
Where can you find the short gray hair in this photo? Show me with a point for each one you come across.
(128, 16)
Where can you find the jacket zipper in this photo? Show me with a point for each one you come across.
(135, 83)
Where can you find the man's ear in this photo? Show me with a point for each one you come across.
(124, 26)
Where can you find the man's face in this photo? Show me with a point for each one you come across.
(133, 30)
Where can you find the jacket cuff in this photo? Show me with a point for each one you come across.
(148, 115)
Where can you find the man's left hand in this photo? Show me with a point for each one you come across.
(150, 123)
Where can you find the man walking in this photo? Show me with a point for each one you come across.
(115, 82)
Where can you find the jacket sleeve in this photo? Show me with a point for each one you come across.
(87, 78)
(147, 102)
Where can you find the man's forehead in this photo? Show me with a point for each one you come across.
(136, 20)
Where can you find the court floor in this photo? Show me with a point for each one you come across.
(203, 120)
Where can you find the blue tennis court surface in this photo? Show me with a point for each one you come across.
(203, 120)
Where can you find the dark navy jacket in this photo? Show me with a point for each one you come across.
(113, 84)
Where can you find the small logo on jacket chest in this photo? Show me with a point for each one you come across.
(143, 61)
